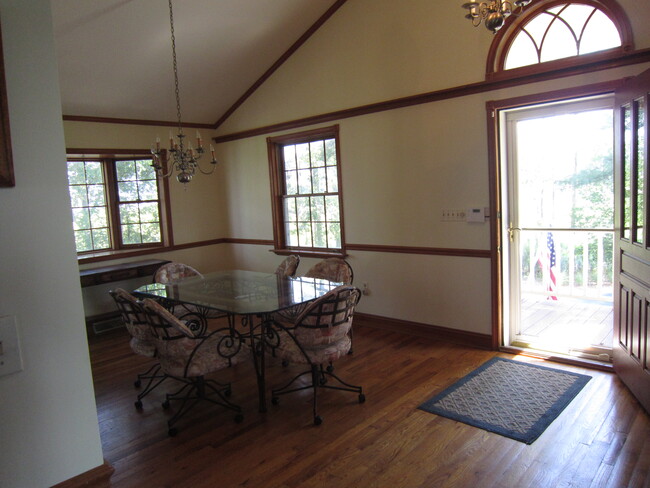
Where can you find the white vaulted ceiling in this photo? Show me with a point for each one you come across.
(115, 59)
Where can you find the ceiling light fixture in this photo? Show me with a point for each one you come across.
(185, 158)
(493, 13)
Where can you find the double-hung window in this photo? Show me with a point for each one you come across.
(118, 203)
(307, 202)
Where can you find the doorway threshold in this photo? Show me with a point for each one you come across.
(559, 358)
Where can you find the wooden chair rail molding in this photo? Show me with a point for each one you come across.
(436, 251)
(504, 81)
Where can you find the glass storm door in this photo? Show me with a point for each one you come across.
(559, 227)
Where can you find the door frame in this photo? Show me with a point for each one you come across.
(493, 109)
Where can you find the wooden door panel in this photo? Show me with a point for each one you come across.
(635, 266)
(631, 338)
(631, 304)
(623, 322)
(635, 327)
(644, 334)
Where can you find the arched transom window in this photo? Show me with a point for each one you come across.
(553, 30)
(560, 32)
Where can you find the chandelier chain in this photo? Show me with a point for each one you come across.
(183, 159)
(177, 91)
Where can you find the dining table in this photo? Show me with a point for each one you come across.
(249, 297)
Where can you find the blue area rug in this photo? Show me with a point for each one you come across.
(510, 398)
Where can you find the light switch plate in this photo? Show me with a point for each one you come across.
(10, 358)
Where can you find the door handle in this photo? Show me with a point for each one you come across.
(511, 232)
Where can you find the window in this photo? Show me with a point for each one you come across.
(306, 192)
(118, 203)
(550, 32)
(560, 32)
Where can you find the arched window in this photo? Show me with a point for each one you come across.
(552, 34)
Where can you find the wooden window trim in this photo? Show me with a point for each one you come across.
(504, 38)
(119, 249)
(274, 145)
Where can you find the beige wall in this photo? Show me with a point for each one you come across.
(402, 167)
(376, 50)
(196, 207)
(48, 418)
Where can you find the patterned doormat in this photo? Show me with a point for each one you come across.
(510, 398)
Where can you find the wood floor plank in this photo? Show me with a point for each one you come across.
(600, 440)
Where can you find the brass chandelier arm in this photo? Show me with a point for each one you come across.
(213, 166)
(493, 13)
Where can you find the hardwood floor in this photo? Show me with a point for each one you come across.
(602, 439)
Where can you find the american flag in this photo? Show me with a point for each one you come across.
(552, 282)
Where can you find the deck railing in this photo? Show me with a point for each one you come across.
(567, 262)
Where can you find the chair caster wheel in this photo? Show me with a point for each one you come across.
(275, 400)
(227, 392)
(137, 383)
(165, 404)
(239, 418)
(362, 398)
(318, 420)
(330, 368)
(172, 432)
(138, 405)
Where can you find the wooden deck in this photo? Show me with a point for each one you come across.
(567, 322)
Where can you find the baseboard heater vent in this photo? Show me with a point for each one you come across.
(103, 326)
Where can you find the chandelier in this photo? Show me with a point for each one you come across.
(184, 158)
(494, 12)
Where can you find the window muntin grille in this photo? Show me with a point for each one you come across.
(562, 31)
(89, 205)
(137, 201)
(311, 199)
(116, 203)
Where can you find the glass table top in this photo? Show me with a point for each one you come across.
(241, 292)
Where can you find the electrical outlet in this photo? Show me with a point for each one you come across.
(10, 358)
(364, 289)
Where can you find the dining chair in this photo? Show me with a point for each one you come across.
(188, 357)
(333, 269)
(174, 272)
(289, 266)
(141, 342)
(318, 338)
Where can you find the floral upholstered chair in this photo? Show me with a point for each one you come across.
(174, 272)
(333, 269)
(188, 357)
(289, 266)
(318, 338)
(142, 342)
